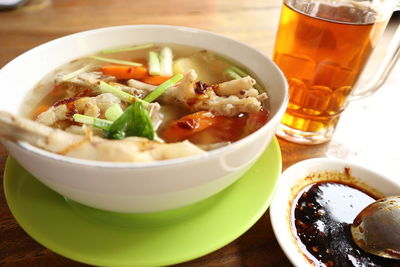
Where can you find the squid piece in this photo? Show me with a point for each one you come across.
(131, 149)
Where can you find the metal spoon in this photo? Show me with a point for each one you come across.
(376, 229)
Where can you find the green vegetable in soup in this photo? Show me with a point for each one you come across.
(117, 61)
(231, 74)
(73, 74)
(242, 73)
(135, 121)
(234, 70)
(239, 71)
(96, 122)
(166, 60)
(124, 49)
(107, 88)
(113, 112)
(163, 87)
(154, 63)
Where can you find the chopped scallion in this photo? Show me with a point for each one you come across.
(113, 112)
(124, 49)
(96, 122)
(117, 61)
(107, 88)
(224, 59)
(229, 72)
(73, 74)
(154, 63)
(159, 90)
(235, 68)
(239, 71)
(166, 62)
(242, 73)
(135, 121)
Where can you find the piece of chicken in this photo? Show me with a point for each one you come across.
(227, 98)
(131, 149)
(83, 77)
(79, 80)
(90, 106)
(93, 107)
(234, 87)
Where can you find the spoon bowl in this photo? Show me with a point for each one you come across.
(376, 229)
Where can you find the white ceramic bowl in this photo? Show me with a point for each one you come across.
(293, 180)
(129, 187)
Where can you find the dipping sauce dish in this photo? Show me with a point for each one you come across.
(314, 206)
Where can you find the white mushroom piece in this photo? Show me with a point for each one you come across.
(130, 149)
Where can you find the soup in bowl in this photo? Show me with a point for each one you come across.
(140, 118)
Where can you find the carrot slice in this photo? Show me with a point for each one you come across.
(125, 72)
(188, 125)
(155, 80)
(227, 129)
(58, 91)
(254, 122)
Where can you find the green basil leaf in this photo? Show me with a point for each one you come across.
(135, 121)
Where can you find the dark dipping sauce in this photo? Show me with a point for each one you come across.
(323, 214)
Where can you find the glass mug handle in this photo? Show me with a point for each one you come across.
(384, 68)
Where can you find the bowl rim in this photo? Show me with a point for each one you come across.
(280, 203)
(169, 162)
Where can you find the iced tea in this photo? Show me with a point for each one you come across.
(322, 50)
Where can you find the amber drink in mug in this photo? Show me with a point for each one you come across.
(322, 47)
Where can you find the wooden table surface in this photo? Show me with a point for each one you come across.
(367, 132)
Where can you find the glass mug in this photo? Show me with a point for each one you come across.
(322, 47)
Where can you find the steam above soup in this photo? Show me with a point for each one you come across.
(147, 102)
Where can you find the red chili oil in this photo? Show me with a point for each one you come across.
(323, 214)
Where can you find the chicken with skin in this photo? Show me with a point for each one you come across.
(227, 99)
(130, 149)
